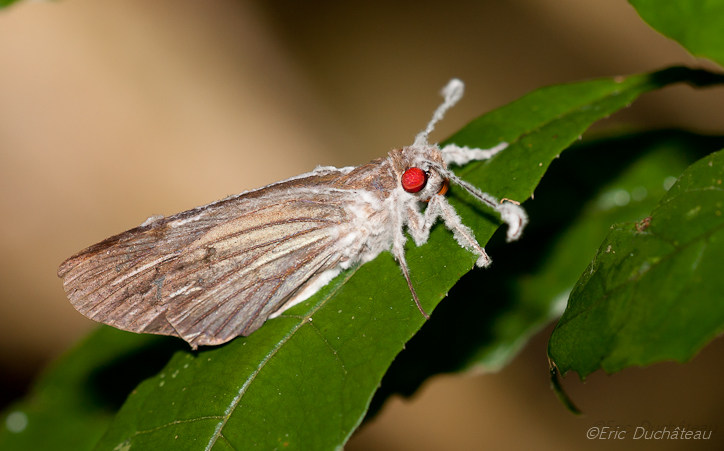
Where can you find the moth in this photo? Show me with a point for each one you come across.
(221, 270)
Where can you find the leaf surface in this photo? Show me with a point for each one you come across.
(628, 197)
(654, 290)
(697, 25)
(5, 3)
(73, 402)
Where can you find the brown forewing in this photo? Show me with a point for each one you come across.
(212, 273)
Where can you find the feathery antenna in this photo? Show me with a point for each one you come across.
(452, 93)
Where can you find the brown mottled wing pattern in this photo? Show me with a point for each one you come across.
(216, 272)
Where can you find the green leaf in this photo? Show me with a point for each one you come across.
(305, 380)
(695, 24)
(72, 404)
(4, 3)
(653, 292)
(493, 312)
(543, 294)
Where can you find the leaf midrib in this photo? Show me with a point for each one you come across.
(242, 390)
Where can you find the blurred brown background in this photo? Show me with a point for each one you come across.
(116, 110)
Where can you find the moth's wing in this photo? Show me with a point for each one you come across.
(256, 271)
(213, 273)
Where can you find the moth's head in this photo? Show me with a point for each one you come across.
(419, 167)
(417, 170)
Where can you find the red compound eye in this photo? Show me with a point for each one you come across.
(413, 180)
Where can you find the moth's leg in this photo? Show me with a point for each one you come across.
(419, 225)
(510, 212)
(398, 250)
(400, 256)
(454, 154)
(462, 233)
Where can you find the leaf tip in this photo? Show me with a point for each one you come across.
(558, 389)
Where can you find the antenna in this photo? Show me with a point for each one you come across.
(452, 93)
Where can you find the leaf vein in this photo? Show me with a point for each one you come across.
(173, 423)
(329, 345)
(235, 402)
